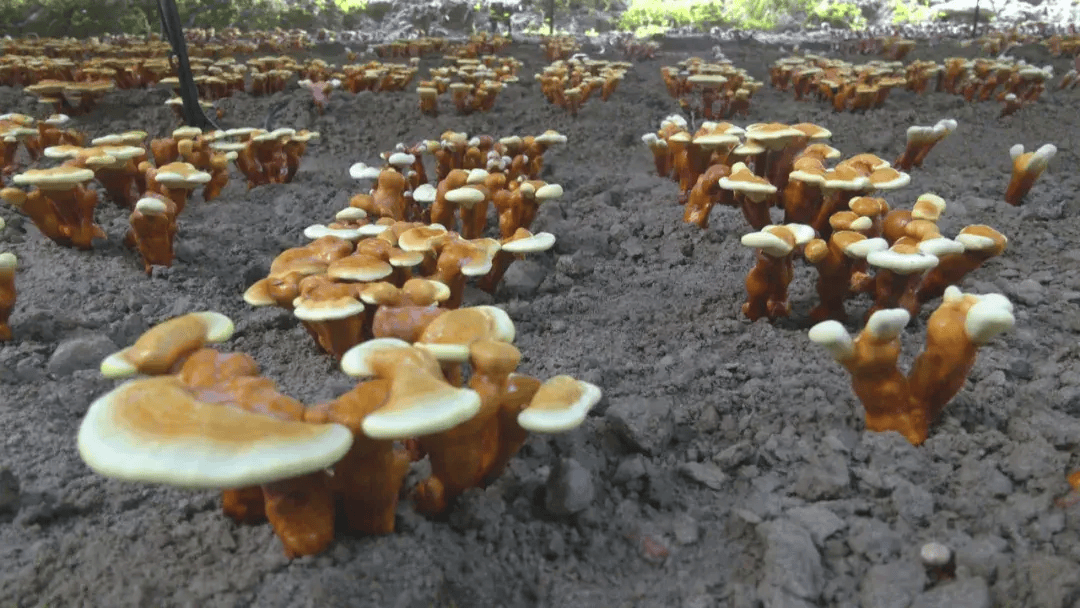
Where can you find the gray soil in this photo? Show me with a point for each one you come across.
(727, 464)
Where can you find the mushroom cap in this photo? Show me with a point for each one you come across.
(834, 338)
(151, 206)
(317, 231)
(887, 178)
(158, 430)
(422, 238)
(424, 193)
(940, 246)
(979, 237)
(8, 261)
(157, 348)
(902, 260)
(363, 171)
(812, 131)
(421, 401)
(990, 316)
(466, 195)
(360, 268)
(401, 159)
(181, 175)
(742, 179)
(449, 336)
(771, 243)
(533, 243)
(821, 150)
(550, 137)
(888, 323)
(773, 135)
(844, 177)
(560, 404)
(863, 247)
(335, 309)
(548, 192)
(62, 177)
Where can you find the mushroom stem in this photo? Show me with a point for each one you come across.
(705, 194)
(8, 265)
(755, 208)
(301, 510)
(369, 477)
(1027, 167)
(766, 287)
(954, 332)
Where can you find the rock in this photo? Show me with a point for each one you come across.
(912, 502)
(569, 488)
(1033, 459)
(963, 593)
(1048, 580)
(826, 476)
(792, 571)
(645, 424)
(707, 474)
(873, 539)
(819, 521)
(1029, 292)
(523, 279)
(9, 491)
(686, 529)
(983, 556)
(82, 352)
(892, 585)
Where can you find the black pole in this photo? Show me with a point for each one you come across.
(189, 93)
(975, 21)
(551, 17)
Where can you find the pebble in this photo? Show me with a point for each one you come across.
(569, 488)
(963, 593)
(644, 423)
(792, 572)
(79, 353)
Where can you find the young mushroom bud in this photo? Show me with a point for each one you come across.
(153, 227)
(1026, 168)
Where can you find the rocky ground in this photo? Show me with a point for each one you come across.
(727, 464)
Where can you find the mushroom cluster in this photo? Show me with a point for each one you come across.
(851, 87)
(201, 418)
(910, 403)
(559, 47)
(710, 90)
(570, 83)
(473, 83)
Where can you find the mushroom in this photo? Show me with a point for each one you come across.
(767, 283)
(752, 193)
(165, 346)
(515, 247)
(909, 405)
(1026, 168)
(281, 286)
(332, 313)
(461, 456)
(835, 260)
(8, 265)
(59, 205)
(159, 430)
(153, 227)
(423, 401)
(449, 336)
(978, 243)
(705, 194)
(404, 312)
(900, 271)
(920, 140)
(176, 180)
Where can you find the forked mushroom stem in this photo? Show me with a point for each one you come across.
(8, 265)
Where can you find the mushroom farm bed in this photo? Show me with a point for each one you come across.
(728, 462)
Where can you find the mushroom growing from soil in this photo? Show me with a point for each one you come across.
(920, 140)
(8, 265)
(752, 193)
(900, 271)
(160, 348)
(978, 244)
(153, 227)
(1026, 168)
(836, 260)
(162, 430)
(59, 205)
(910, 404)
(767, 283)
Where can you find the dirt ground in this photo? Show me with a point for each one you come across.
(727, 464)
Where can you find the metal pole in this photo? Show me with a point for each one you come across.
(189, 93)
(551, 17)
(975, 21)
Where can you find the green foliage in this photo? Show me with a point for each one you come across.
(910, 11)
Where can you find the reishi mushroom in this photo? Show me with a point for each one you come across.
(8, 265)
(1026, 168)
(910, 404)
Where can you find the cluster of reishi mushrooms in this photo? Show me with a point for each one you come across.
(557, 48)
(863, 87)
(275, 459)
(154, 181)
(368, 262)
(473, 83)
(570, 83)
(710, 90)
(858, 243)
